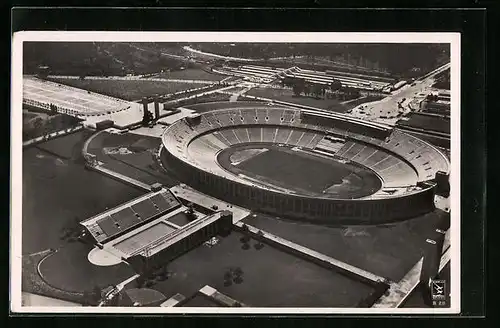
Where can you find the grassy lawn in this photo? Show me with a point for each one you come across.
(192, 74)
(428, 123)
(36, 124)
(389, 251)
(70, 270)
(139, 164)
(58, 192)
(209, 106)
(270, 277)
(32, 282)
(66, 147)
(129, 90)
(288, 96)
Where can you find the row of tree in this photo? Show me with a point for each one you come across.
(301, 86)
(100, 59)
(38, 126)
(424, 57)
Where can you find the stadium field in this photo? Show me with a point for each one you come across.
(304, 173)
(288, 96)
(270, 277)
(128, 89)
(386, 250)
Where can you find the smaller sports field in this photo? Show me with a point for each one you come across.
(128, 89)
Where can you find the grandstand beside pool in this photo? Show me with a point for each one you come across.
(143, 230)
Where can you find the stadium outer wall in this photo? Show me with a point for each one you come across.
(320, 210)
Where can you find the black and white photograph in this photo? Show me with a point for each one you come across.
(239, 172)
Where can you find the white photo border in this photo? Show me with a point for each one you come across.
(19, 38)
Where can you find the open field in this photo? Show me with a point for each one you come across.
(67, 147)
(137, 162)
(192, 74)
(74, 194)
(432, 123)
(69, 269)
(288, 96)
(209, 106)
(270, 277)
(128, 89)
(31, 281)
(386, 250)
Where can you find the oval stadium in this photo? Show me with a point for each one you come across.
(305, 164)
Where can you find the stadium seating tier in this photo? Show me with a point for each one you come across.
(401, 160)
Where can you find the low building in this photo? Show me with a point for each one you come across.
(181, 241)
(142, 231)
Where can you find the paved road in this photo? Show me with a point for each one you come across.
(398, 100)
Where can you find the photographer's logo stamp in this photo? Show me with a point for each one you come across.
(438, 292)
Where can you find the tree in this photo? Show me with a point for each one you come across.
(147, 117)
(191, 215)
(259, 245)
(317, 90)
(307, 89)
(140, 281)
(237, 271)
(297, 89)
(335, 85)
(53, 109)
(38, 123)
(238, 280)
